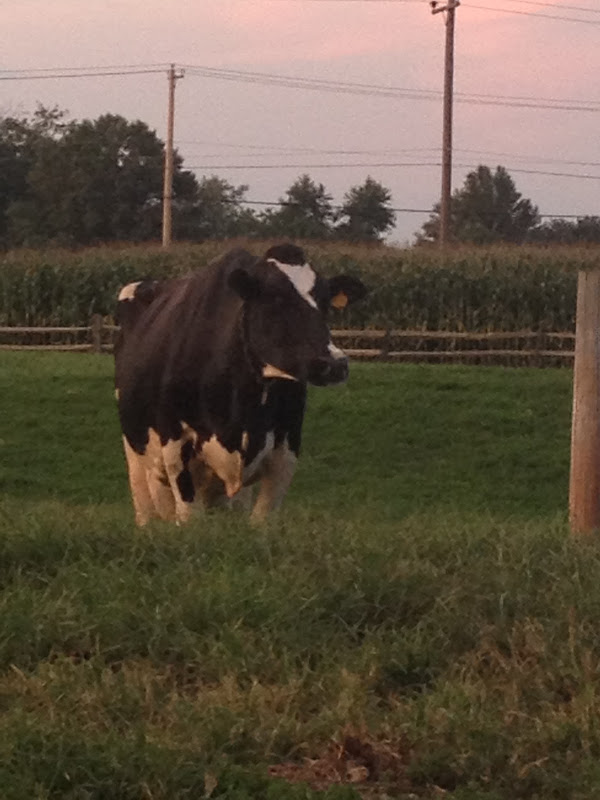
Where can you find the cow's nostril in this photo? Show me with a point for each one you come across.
(324, 367)
(329, 370)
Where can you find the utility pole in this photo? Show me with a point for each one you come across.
(173, 75)
(450, 9)
(584, 489)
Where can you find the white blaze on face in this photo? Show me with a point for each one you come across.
(302, 276)
(128, 292)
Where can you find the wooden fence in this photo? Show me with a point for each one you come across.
(97, 337)
(511, 348)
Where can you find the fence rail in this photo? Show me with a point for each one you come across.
(515, 348)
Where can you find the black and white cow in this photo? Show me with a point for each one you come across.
(211, 374)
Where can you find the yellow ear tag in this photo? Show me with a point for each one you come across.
(340, 300)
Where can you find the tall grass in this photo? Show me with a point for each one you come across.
(471, 289)
(137, 664)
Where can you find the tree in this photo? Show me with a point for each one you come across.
(306, 212)
(20, 142)
(215, 212)
(584, 230)
(366, 214)
(92, 181)
(12, 183)
(487, 209)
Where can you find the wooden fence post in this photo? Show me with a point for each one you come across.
(96, 325)
(584, 488)
(386, 343)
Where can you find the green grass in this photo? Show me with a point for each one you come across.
(419, 594)
(392, 441)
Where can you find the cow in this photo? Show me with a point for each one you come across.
(211, 374)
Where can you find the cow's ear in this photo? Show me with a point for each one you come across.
(344, 289)
(244, 284)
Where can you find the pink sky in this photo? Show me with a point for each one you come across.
(383, 43)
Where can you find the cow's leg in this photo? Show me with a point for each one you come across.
(277, 472)
(142, 500)
(158, 480)
(178, 456)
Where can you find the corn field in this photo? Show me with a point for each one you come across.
(499, 289)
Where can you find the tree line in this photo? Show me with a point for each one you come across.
(95, 181)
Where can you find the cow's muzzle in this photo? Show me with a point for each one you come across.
(325, 371)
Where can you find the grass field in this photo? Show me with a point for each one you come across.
(416, 623)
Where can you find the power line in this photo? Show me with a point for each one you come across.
(540, 160)
(289, 81)
(489, 8)
(300, 150)
(553, 5)
(337, 207)
(286, 81)
(420, 2)
(374, 90)
(258, 77)
(555, 174)
(271, 149)
(41, 75)
(382, 165)
(533, 14)
(311, 166)
(88, 68)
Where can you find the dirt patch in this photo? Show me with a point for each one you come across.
(370, 767)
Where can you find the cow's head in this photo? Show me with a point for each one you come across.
(286, 303)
